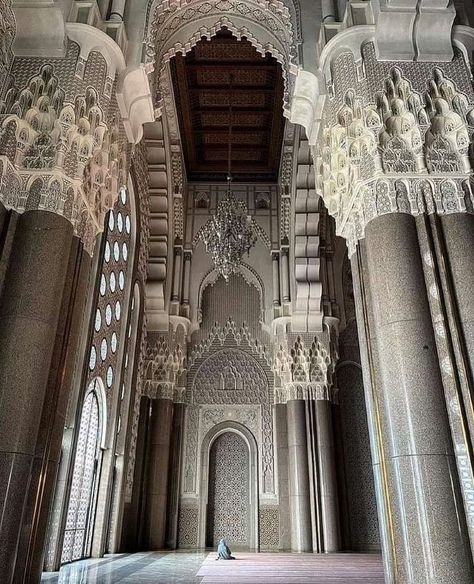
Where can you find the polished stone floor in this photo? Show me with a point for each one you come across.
(184, 567)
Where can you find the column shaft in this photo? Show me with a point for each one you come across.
(285, 275)
(29, 313)
(281, 445)
(186, 277)
(299, 497)
(458, 231)
(327, 477)
(430, 543)
(176, 275)
(157, 491)
(53, 418)
(276, 279)
(118, 10)
(174, 476)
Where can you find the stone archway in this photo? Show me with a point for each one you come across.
(228, 501)
(229, 440)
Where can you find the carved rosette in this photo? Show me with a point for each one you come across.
(59, 156)
(164, 368)
(395, 151)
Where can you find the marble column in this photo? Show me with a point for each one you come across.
(327, 477)
(8, 221)
(285, 275)
(159, 455)
(281, 447)
(118, 10)
(186, 277)
(174, 465)
(430, 542)
(3, 218)
(298, 475)
(48, 449)
(276, 278)
(29, 314)
(176, 274)
(458, 231)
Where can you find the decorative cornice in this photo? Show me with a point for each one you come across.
(305, 391)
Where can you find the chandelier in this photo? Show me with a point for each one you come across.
(229, 234)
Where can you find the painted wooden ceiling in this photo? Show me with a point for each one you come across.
(207, 80)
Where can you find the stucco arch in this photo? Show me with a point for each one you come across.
(175, 27)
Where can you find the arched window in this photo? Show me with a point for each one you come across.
(83, 494)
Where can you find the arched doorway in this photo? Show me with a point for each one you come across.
(228, 503)
(83, 494)
(229, 487)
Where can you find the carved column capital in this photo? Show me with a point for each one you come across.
(304, 366)
(60, 155)
(396, 144)
(165, 366)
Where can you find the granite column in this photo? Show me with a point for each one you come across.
(298, 484)
(29, 316)
(327, 477)
(458, 231)
(431, 544)
(161, 421)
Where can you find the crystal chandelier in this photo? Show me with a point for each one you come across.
(229, 234)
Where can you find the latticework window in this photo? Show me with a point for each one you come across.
(109, 315)
(77, 535)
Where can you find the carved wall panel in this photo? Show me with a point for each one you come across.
(229, 376)
(188, 526)
(229, 497)
(269, 527)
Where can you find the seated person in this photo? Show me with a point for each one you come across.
(223, 551)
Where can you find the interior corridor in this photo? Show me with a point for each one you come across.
(201, 567)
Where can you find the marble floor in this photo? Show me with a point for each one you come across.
(184, 567)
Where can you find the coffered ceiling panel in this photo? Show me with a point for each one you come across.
(202, 84)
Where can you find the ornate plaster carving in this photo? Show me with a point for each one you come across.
(7, 34)
(174, 27)
(218, 336)
(305, 369)
(230, 382)
(398, 149)
(165, 365)
(58, 156)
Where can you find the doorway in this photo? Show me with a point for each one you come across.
(229, 492)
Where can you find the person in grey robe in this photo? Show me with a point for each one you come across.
(223, 551)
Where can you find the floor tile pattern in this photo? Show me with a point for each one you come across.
(184, 567)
